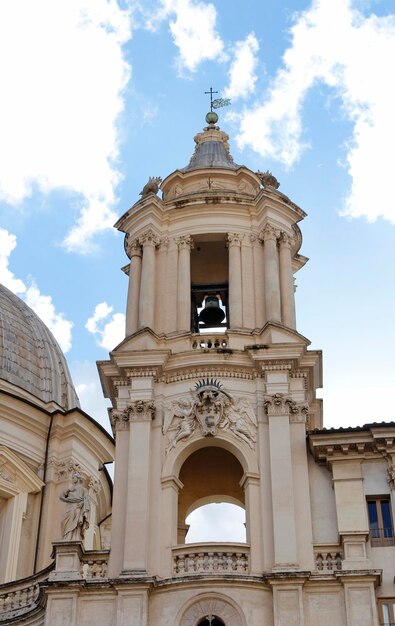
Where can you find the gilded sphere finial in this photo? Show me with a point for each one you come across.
(211, 118)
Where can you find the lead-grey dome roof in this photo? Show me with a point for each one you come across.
(211, 150)
(30, 356)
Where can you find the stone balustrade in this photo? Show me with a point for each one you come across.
(94, 564)
(20, 597)
(212, 559)
(328, 558)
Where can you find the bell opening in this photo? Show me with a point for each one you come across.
(209, 308)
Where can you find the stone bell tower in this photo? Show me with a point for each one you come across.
(212, 390)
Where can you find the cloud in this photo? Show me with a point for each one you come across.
(41, 304)
(216, 522)
(242, 72)
(193, 31)
(109, 334)
(334, 44)
(62, 93)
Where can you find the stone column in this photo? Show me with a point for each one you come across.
(120, 426)
(281, 471)
(250, 482)
(171, 288)
(132, 307)
(184, 283)
(235, 293)
(259, 280)
(247, 284)
(140, 414)
(161, 286)
(272, 274)
(171, 486)
(287, 282)
(147, 290)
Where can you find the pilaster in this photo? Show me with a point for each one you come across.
(235, 288)
(286, 281)
(132, 307)
(272, 277)
(185, 245)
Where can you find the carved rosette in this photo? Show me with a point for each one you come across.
(185, 242)
(279, 404)
(136, 411)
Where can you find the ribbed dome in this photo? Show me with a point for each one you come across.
(211, 150)
(30, 356)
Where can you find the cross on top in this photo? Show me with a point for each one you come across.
(211, 92)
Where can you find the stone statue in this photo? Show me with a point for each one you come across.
(76, 517)
(267, 179)
(152, 186)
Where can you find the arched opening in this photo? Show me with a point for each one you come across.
(211, 620)
(216, 521)
(209, 475)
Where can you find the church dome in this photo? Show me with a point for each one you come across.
(211, 150)
(30, 356)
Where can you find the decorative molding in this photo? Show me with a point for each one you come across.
(267, 179)
(185, 242)
(136, 411)
(286, 240)
(65, 468)
(279, 404)
(241, 374)
(208, 411)
(132, 246)
(269, 233)
(234, 239)
(5, 474)
(149, 238)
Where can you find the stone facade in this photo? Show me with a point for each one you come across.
(202, 412)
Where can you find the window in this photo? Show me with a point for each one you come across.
(387, 611)
(211, 620)
(380, 521)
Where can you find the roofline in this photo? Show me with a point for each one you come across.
(350, 429)
(61, 412)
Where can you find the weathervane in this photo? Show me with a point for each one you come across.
(218, 102)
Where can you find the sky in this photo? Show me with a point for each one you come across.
(98, 95)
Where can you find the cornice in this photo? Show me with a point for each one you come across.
(371, 441)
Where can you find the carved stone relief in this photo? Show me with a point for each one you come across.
(279, 404)
(138, 410)
(208, 411)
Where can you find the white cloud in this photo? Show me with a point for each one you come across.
(334, 44)
(61, 95)
(109, 334)
(216, 522)
(242, 72)
(41, 304)
(193, 31)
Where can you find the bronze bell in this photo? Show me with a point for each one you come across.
(212, 315)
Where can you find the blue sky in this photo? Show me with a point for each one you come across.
(99, 95)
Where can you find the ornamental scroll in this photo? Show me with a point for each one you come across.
(210, 410)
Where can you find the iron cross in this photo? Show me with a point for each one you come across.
(211, 92)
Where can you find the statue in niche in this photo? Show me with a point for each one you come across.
(75, 520)
(210, 410)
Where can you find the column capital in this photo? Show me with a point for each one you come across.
(132, 247)
(163, 243)
(185, 242)
(269, 233)
(149, 238)
(136, 411)
(234, 240)
(279, 404)
(286, 240)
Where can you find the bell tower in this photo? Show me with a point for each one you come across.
(212, 391)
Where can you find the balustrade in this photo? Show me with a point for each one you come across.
(205, 559)
(328, 560)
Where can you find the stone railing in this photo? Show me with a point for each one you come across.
(198, 558)
(20, 597)
(328, 558)
(94, 564)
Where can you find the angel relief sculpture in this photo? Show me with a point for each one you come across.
(210, 410)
